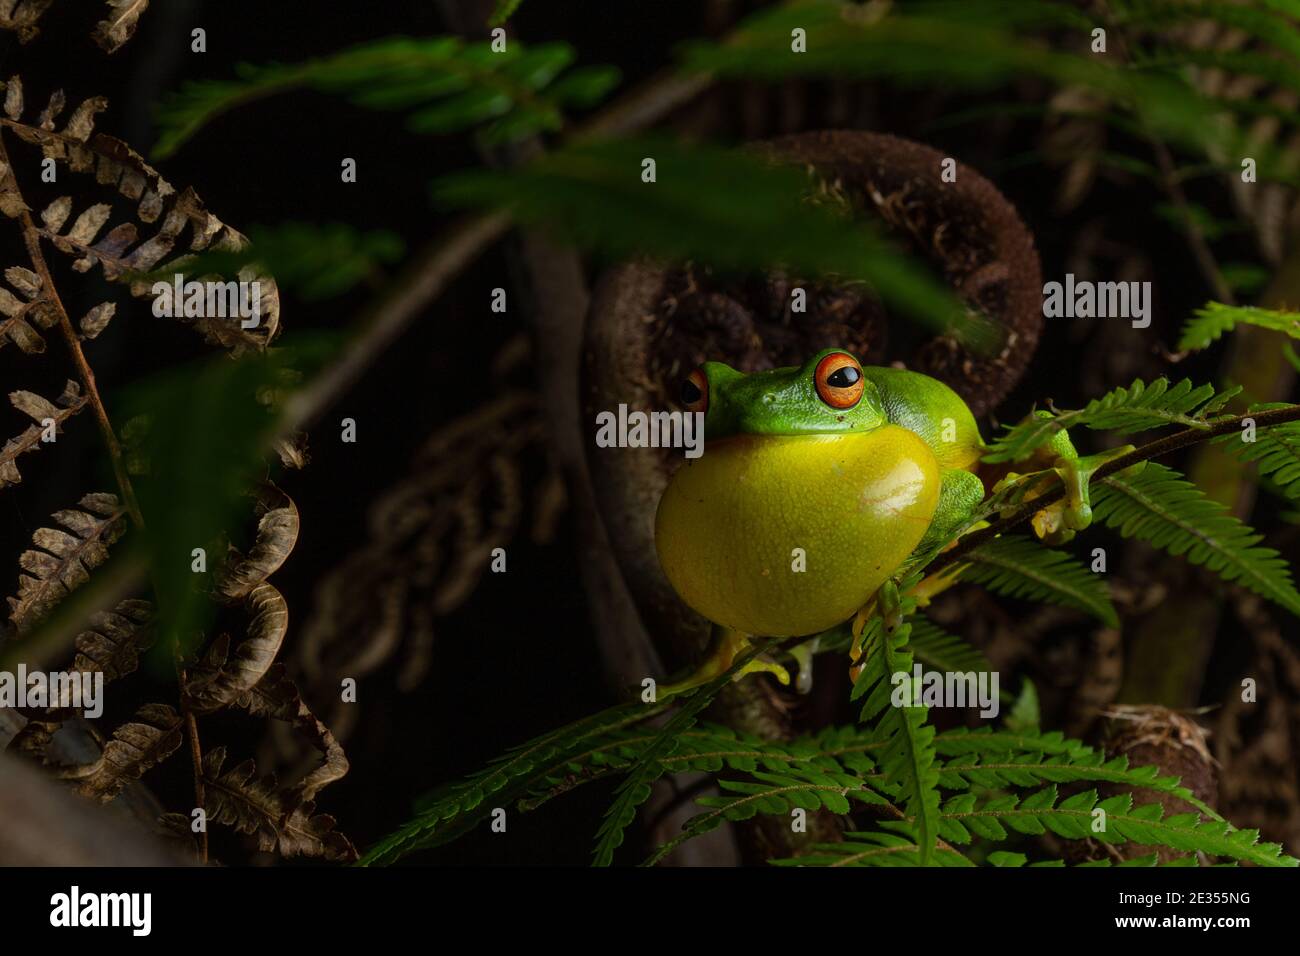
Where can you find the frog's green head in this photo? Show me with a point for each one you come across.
(828, 394)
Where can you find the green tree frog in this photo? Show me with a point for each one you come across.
(818, 487)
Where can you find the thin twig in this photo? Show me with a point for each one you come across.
(196, 760)
(1163, 446)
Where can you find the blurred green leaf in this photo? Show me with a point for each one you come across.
(728, 208)
(452, 85)
(977, 45)
(197, 438)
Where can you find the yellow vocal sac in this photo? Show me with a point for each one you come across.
(728, 524)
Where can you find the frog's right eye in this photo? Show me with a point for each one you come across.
(839, 380)
(695, 392)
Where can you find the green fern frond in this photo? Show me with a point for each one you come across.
(1019, 567)
(776, 794)
(963, 817)
(986, 740)
(1214, 319)
(930, 42)
(454, 809)
(907, 758)
(1161, 507)
(873, 849)
(1004, 858)
(1129, 410)
(706, 748)
(942, 651)
(734, 210)
(635, 789)
(449, 85)
(1031, 770)
(1275, 450)
(811, 788)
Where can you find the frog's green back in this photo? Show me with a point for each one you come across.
(921, 404)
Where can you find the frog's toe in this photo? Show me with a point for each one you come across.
(1052, 524)
(803, 655)
(758, 665)
(1076, 474)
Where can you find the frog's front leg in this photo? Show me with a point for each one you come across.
(960, 493)
(728, 644)
(1057, 522)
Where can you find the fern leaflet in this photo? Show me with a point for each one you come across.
(1021, 568)
(1161, 507)
(452, 810)
(1276, 450)
(942, 651)
(908, 756)
(1137, 408)
(635, 790)
(448, 84)
(1214, 319)
(963, 817)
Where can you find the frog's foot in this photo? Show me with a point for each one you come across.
(1057, 523)
(803, 656)
(727, 646)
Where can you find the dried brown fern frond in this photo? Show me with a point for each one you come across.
(33, 740)
(248, 679)
(243, 580)
(143, 742)
(218, 688)
(277, 533)
(114, 640)
(21, 16)
(111, 646)
(121, 251)
(46, 415)
(276, 696)
(237, 798)
(118, 26)
(23, 317)
(64, 557)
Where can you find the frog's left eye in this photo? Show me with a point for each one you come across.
(695, 392)
(839, 380)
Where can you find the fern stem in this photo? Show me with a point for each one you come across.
(48, 291)
(196, 761)
(1162, 446)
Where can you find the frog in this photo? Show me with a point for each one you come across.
(820, 487)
